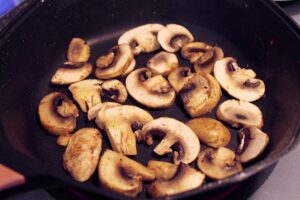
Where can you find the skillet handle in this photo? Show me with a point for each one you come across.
(10, 178)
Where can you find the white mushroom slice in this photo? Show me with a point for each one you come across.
(71, 73)
(81, 156)
(100, 107)
(240, 113)
(115, 90)
(79, 51)
(122, 174)
(218, 163)
(120, 123)
(184, 179)
(153, 91)
(115, 62)
(176, 134)
(179, 77)
(142, 38)
(130, 68)
(163, 63)
(57, 114)
(252, 143)
(86, 93)
(173, 37)
(200, 94)
(239, 83)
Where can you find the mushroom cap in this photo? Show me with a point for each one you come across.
(210, 131)
(252, 143)
(57, 113)
(142, 38)
(173, 37)
(218, 163)
(239, 83)
(179, 77)
(81, 156)
(240, 113)
(63, 140)
(163, 63)
(115, 63)
(119, 123)
(176, 134)
(184, 179)
(86, 93)
(99, 108)
(71, 73)
(79, 51)
(122, 174)
(130, 68)
(153, 91)
(115, 90)
(200, 94)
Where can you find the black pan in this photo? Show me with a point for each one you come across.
(34, 44)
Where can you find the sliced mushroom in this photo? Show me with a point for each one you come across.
(162, 170)
(115, 90)
(176, 134)
(179, 77)
(153, 91)
(202, 55)
(163, 63)
(218, 163)
(210, 131)
(81, 156)
(63, 140)
(130, 68)
(239, 83)
(200, 94)
(252, 143)
(240, 113)
(122, 174)
(79, 51)
(57, 113)
(86, 93)
(173, 37)
(142, 38)
(115, 62)
(184, 179)
(100, 107)
(120, 123)
(71, 73)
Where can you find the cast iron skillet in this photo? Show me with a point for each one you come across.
(257, 33)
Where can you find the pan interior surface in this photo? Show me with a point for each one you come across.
(244, 29)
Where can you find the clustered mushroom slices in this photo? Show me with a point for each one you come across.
(154, 86)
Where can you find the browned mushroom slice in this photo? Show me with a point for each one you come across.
(184, 179)
(252, 143)
(86, 93)
(240, 113)
(179, 77)
(115, 62)
(238, 82)
(63, 140)
(202, 55)
(120, 123)
(57, 113)
(122, 174)
(71, 73)
(115, 90)
(79, 51)
(81, 156)
(163, 63)
(153, 91)
(142, 38)
(200, 94)
(218, 163)
(210, 131)
(162, 170)
(175, 134)
(130, 68)
(173, 37)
